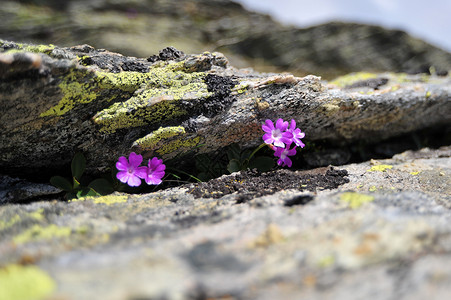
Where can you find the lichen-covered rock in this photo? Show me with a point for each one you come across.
(57, 101)
(378, 229)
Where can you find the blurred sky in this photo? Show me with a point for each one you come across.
(429, 20)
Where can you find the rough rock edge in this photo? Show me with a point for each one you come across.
(164, 108)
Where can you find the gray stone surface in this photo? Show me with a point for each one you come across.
(383, 235)
(17, 190)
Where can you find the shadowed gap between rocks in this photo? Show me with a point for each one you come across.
(308, 172)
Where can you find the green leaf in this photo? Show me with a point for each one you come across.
(71, 195)
(233, 166)
(176, 176)
(76, 183)
(61, 183)
(101, 186)
(262, 163)
(92, 193)
(78, 165)
(233, 152)
(182, 172)
(82, 193)
(86, 192)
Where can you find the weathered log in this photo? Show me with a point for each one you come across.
(57, 101)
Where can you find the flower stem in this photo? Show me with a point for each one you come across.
(255, 151)
(182, 172)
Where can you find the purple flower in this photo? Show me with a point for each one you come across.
(297, 134)
(276, 135)
(154, 171)
(283, 154)
(129, 170)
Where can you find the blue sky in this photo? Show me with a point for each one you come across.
(429, 20)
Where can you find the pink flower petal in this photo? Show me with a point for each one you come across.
(122, 176)
(160, 168)
(133, 180)
(280, 124)
(122, 164)
(279, 144)
(135, 159)
(154, 162)
(269, 124)
(288, 162)
(267, 138)
(153, 180)
(141, 172)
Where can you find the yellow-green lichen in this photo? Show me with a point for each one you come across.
(162, 134)
(4, 225)
(46, 49)
(185, 144)
(131, 114)
(326, 261)
(241, 88)
(355, 200)
(108, 199)
(39, 48)
(36, 215)
(37, 232)
(82, 87)
(74, 92)
(349, 79)
(125, 81)
(380, 168)
(25, 283)
(83, 60)
(157, 101)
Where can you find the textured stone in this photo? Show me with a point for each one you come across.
(58, 101)
(172, 245)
